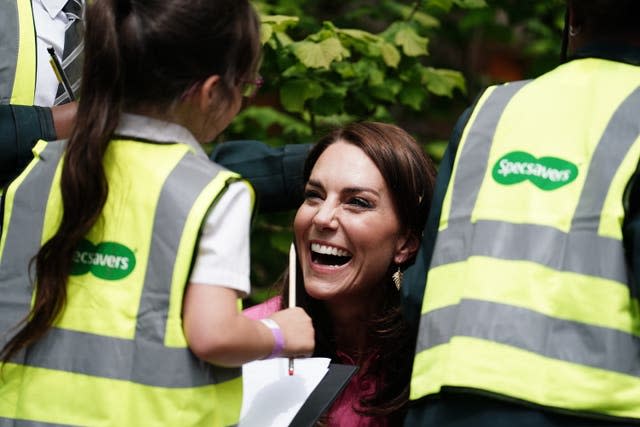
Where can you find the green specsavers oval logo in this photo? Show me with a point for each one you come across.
(106, 260)
(546, 173)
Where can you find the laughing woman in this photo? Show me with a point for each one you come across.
(368, 189)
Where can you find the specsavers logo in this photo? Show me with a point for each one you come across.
(546, 173)
(106, 260)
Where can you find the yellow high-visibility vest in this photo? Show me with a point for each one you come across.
(117, 354)
(17, 53)
(527, 295)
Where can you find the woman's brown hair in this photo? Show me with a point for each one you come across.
(410, 177)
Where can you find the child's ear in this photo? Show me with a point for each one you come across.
(206, 92)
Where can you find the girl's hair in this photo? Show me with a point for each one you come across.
(138, 53)
(410, 177)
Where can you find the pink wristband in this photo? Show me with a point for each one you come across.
(278, 347)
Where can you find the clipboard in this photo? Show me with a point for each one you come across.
(325, 393)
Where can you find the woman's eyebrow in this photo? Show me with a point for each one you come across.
(355, 190)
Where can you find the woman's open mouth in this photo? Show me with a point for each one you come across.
(329, 255)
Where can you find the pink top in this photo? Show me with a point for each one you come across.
(341, 413)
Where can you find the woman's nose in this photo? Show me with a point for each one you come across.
(325, 216)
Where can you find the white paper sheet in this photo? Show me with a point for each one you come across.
(271, 397)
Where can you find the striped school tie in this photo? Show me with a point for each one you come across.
(73, 45)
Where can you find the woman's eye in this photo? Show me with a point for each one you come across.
(311, 194)
(360, 202)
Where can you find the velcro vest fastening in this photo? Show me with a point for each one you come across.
(527, 294)
(119, 340)
(17, 54)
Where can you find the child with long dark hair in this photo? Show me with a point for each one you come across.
(124, 250)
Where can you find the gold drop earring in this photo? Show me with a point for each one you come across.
(397, 278)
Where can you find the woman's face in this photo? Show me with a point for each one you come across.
(347, 230)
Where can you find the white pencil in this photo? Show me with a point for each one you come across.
(292, 289)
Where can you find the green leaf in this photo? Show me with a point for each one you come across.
(436, 149)
(294, 94)
(334, 120)
(266, 31)
(328, 104)
(360, 35)
(279, 22)
(381, 114)
(411, 42)
(426, 21)
(390, 54)
(444, 5)
(360, 41)
(386, 91)
(319, 55)
(372, 50)
(297, 70)
(345, 70)
(277, 39)
(407, 11)
(442, 81)
(266, 117)
(283, 38)
(376, 77)
(413, 96)
(367, 70)
(471, 4)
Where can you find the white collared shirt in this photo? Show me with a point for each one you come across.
(50, 23)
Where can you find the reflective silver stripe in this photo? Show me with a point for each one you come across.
(570, 341)
(141, 362)
(174, 205)
(23, 237)
(7, 422)
(577, 252)
(581, 250)
(173, 208)
(617, 139)
(9, 22)
(144, 360)
(475, 151)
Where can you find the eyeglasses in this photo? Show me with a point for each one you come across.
(250, 87)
